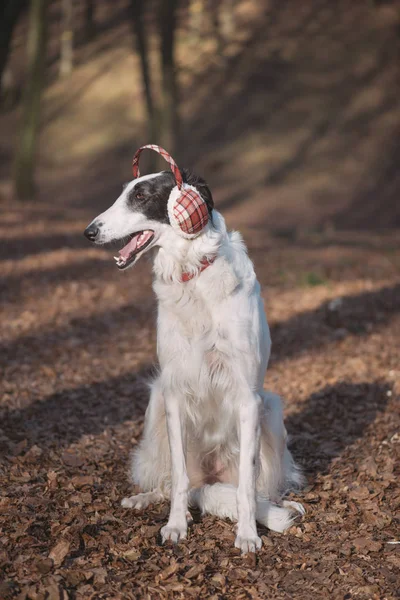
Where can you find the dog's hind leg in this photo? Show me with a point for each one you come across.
(151, 463)
(142, 500)
(278, 472)
(220, 499)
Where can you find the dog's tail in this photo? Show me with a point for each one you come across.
(219, 499)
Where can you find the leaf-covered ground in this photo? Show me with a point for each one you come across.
(78, 342)
(300, 145)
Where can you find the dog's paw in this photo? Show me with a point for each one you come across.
(174, 533)
(295, 506)
(248, 543)
(130, 502)
(141, 501)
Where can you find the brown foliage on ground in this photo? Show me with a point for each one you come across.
(77, 347)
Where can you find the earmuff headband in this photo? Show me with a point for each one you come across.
(165, 155)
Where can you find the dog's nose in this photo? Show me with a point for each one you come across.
(91, 232)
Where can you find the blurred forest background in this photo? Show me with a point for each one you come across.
(293, 106)
(290, 110)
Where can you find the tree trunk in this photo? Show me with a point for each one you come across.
(90, 23)
(67, 38)
(10, 10)
(25, 156)
(170, 124)
(136, 10)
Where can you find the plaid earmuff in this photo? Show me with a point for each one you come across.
(187, 211)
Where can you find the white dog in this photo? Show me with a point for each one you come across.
(213, 438)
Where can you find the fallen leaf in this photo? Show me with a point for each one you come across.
(132, 554)
(369, 466)
(81, 480)
(33, 454)
(359, 493)
(71, 459)
(100, 575)
(55, 592)
(59, 552)
(194, 571)
(218, 579)
(364, 544)
(394, 560)
(45, 565)
(169, 571)
(52, 479)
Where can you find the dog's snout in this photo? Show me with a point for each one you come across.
(91, 232)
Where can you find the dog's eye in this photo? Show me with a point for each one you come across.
(139, 196)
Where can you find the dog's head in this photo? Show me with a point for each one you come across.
(139, 217)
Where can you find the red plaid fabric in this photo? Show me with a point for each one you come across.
(164, 154)
(190, 212)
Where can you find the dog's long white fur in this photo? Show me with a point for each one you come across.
(213, 437)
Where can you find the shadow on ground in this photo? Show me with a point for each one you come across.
(12, 286)
(349, 315)
(66, 416)
(332, 419)
(310, 330)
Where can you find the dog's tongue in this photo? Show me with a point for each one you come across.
(135, 243)
(130, 247)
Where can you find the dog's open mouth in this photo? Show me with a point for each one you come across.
(137, 243)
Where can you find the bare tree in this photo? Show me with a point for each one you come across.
(169, 114)
(67, 38)
(90, 23)
(25, 155)
(163, 121)
(138, 26)
(10, 11)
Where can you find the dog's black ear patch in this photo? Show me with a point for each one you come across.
(201, 185)
(150, 197)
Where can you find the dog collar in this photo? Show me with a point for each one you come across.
(205, 262)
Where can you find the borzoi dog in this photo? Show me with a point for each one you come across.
(213, 437)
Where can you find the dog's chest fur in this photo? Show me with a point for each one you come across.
(193, 335)
(211, 337)
(205, 372)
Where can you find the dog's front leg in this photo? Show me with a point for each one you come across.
(176, 528)
(249, 423)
